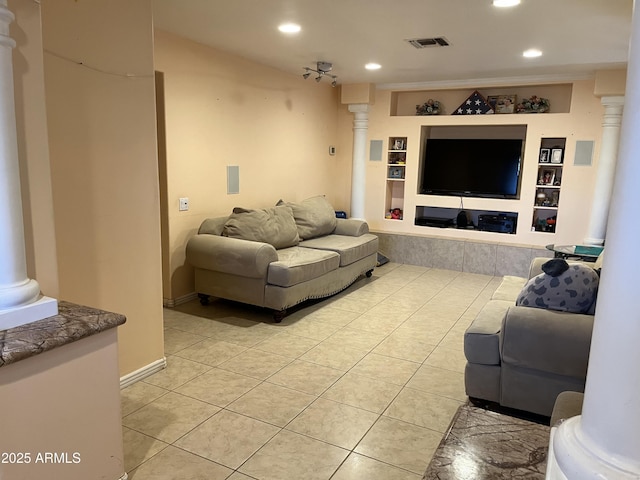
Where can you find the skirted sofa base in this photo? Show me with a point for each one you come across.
(253, 290)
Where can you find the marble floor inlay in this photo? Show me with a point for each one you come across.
(486, 445)
(359, 386)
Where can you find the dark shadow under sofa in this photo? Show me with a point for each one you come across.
(281, 256)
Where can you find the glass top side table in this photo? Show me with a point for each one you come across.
(586, 253)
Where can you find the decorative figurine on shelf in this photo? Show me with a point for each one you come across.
(394, 214)
(551, 224)
(430, 107)
(534, 104)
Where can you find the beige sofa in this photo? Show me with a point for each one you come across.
(522, 357)
(254, 256)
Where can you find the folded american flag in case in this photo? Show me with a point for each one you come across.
(475, 104)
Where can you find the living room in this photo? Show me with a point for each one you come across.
(112, 205)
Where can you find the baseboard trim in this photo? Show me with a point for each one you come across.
(144, 372)
(174, 302)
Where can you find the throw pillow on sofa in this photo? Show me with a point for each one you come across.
(314, 217)
(275, 226)
(563, 287)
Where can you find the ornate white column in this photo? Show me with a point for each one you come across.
(604, 442)
(358, 174)
(606, 169)
(20, 299)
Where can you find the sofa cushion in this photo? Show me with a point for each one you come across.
(509, 288)
(213, 226)
(314, 217)
(351, 249)
(296, 265)
(565, 288)
(482, 338)
(274, 226)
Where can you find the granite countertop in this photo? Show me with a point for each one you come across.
(72, 323)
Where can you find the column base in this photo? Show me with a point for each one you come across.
(572, 457)
(43, 307)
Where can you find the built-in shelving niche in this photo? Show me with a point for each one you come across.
(403, 103)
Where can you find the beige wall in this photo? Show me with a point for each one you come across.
(104, 171)
(223, 110)
(583, 122)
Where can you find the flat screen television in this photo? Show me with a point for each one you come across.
(488, 168)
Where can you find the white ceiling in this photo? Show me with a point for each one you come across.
(575, 36)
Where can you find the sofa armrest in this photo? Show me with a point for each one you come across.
(351, 227)
(547, 340)
(230, 255)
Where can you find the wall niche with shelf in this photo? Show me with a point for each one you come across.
(548, 184)
(403, 103)
(396, 171)
(467, 219)
(482, 161)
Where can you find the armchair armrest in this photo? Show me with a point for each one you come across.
(230, 255)
(351, 227)
(547, 340)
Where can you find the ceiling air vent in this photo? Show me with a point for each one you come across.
(429, 42)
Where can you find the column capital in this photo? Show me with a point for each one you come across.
(613, 101)
(359, 108)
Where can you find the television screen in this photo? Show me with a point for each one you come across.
(472, 167)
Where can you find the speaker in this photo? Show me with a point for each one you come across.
(462, 220)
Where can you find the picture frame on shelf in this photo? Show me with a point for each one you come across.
(502, 103)
(398, 144)
(545, 155)
(396, 173)
(557, 155)
(547, 177)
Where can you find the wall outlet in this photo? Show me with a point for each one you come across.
(184, 204)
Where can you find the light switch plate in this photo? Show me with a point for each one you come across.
(184, 204)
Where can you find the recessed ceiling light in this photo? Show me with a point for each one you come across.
(532, 53)
(506, 3)
(289, 28)
(373, 66)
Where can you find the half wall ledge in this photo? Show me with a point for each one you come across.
(73, 323)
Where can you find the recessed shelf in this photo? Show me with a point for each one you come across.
(403, 103)
(548, 185)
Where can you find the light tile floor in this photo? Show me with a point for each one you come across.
(359, 386)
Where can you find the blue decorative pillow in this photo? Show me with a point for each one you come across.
(563, 287)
